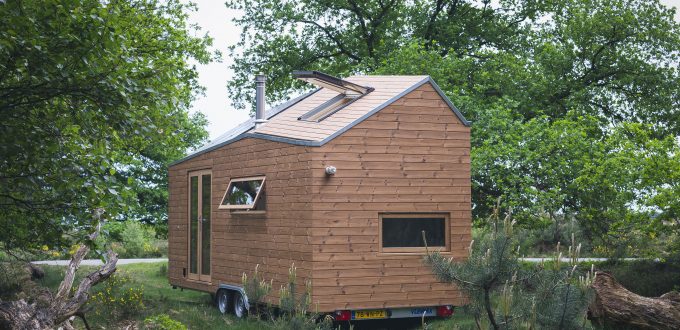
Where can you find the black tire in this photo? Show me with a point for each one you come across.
(222, 301)
(239, 305)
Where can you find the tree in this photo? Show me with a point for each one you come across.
(573, 102)
(48, 310)
(349, 36)
(505, 295)
(94, 98)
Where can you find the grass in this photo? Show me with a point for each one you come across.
(192, 308)
(459, 320)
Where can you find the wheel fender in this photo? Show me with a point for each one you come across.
(237, 289)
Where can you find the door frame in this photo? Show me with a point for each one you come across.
(199, 239)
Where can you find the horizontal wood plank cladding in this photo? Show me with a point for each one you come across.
(275, 239)
(345, 151)
(412, 156)
(383, 302)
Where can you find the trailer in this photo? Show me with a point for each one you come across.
(341, 182)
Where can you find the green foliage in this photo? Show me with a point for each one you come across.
(294, 308)
(119, 297)
(505, 295)
(13, 276)
(346, 36)
(289, 301)
(256, 288)
(95, 101)
(163, 322)
(647, 278)
(573, 102)
(131, 239)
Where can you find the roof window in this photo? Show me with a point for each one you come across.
(348, 93)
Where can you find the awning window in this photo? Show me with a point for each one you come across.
(244, 194)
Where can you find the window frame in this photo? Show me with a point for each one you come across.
(243, 207)
(327, 109)
(419, 250)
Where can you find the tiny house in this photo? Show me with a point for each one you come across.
(341, 182)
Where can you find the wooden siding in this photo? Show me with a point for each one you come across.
(275, 239)
(412, 156)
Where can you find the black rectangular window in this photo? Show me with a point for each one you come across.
(405, 231)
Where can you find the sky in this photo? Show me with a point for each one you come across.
(215, 19)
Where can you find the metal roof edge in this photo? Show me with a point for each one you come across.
(276, 138)
(206, 150)
(448, 101)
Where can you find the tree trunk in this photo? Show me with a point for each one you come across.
(615, 306)
(63, 305)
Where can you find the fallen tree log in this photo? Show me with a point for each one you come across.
(59, 309)
(615, 306)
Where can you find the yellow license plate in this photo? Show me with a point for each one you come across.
(371, 314)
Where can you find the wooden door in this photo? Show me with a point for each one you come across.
(199, 225)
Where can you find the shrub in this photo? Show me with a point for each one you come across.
(13, 276)
(133, 239)
(118, 297)
(645, 277)
(113, 230)
(256, 288)
(163, 322)
(505, 295)
(295, 308)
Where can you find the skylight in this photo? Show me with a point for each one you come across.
(329, 107)
(348, 93)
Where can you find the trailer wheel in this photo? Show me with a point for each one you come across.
(239, 303)
(222, 301)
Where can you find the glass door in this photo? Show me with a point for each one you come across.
(199, 225)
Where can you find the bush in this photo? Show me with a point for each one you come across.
(163, 322)
(645, 277)
(119, 297)
(134, 239)
(541, 240)
(256, 289)
(505, 295)
(294, 308)
(13, 276)
(131, 239)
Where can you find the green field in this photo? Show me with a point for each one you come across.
(192, 308)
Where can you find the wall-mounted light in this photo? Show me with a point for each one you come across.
(331, 170)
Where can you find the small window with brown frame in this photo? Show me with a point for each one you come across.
(245, 194)
(403, 232)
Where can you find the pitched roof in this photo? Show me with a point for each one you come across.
(283, 124)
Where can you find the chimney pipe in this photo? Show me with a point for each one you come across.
(260, 117)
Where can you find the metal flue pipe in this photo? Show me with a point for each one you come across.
(260, 117)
